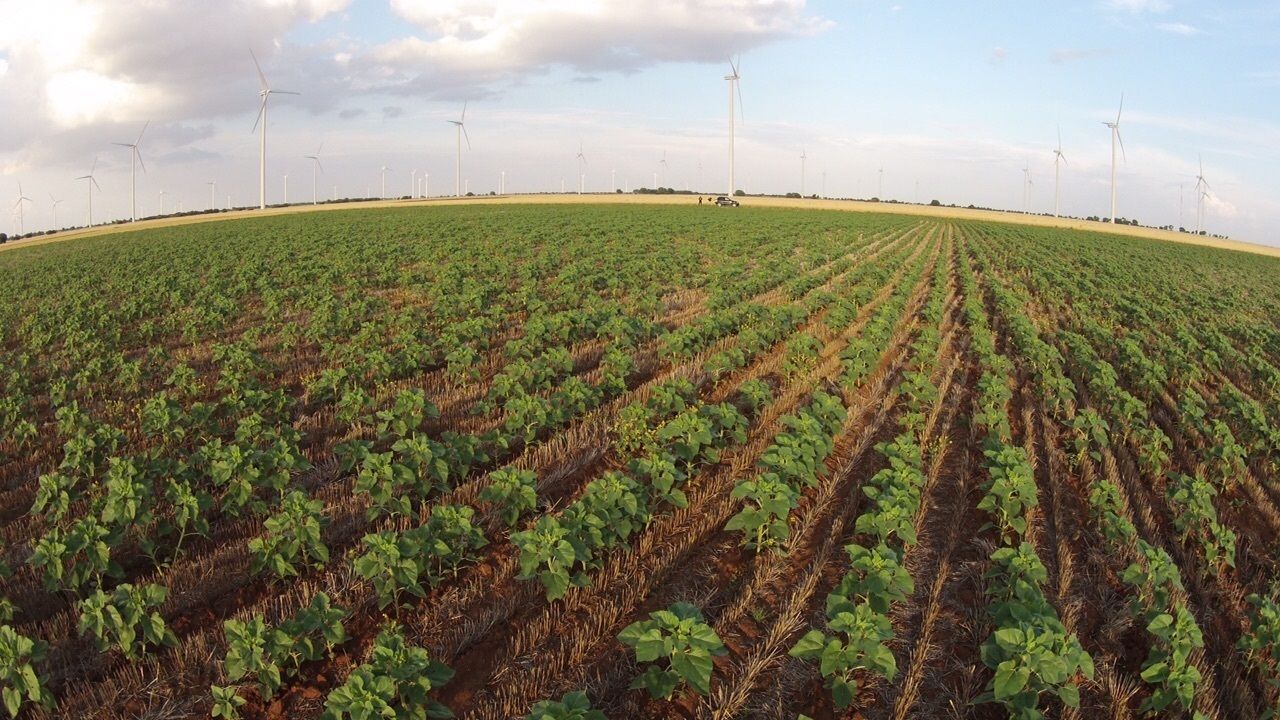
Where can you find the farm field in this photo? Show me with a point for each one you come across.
(549, 461)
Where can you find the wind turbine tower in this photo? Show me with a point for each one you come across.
(735, 104)
(316, 168)
(265, 92)
(22, 198)
(1202, 191)
(93, 182)
(135, 159)
(1057, 156)
(1115, 138)
(460, 125)
(803, 157)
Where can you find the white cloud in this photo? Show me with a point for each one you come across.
(1065, 55)
(476, 42)
(79, 97)
(1178, 28)
(1217, 206)
(96, 60)
(1138, 7)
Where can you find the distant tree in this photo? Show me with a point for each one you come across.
(619, 191)
(4, 238)
(739, 193)
(935, 203)
(793, 195)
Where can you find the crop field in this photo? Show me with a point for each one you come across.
(577, 462)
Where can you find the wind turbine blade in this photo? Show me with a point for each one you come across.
(321, 166)
(1064, 158)
(742, 115)
(261, 109)
(122, 144)
(261, 78)
(1121, 139)
(284, 92)
(95, 183)
(463, 119)
(138, 152)
(319, 149)
(464, 134)
(144, 132)
(1121, 108)
(1059, 139)
(94, 166)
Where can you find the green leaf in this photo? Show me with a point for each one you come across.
(810, 646)
(695, 669)
(1009, 679)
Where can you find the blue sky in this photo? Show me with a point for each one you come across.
(951, 100)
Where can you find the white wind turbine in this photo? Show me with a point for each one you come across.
(93, 182)
(384, 170)
(135, 159)
(413, 184)
(734, 105)
(1202, 191)
(1026, 187)
(213, 194)
(265, 93)
(804, 155)
(22, 198)
(461, 127)
(582, 163)
(316, 168)
(1057, 155)
(665, 167)
(53, 205)
(286, 189)
(1115, 137)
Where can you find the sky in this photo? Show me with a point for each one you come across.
(953, 101)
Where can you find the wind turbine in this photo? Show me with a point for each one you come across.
(664, 165)
(413, 184)
(1057, 155)
(316, 168)
(880, 192)
(93, 182)
(461, 126)
(286, 188)
(54, 206)
(733, 105)
(213, 193)
(1115, 137)
(264, 93)
(426, 185)
(1026, 187)
(1202, 187)
(384, 169)
(803, 157)
(135, 159)
(22, 230)
(582, 163)
(502, 183)
(162, 193)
